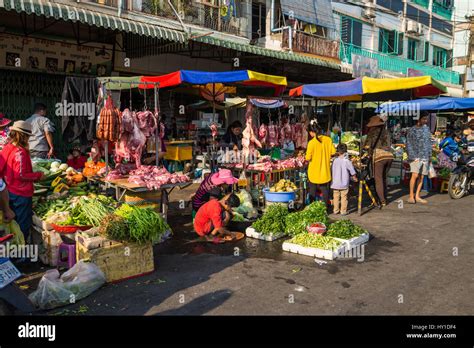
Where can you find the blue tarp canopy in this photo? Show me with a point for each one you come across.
(310, 11)
(439, 104)
(268, 103)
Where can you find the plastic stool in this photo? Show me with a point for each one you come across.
(67, 255)
(444, 186)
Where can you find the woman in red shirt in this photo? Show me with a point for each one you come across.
(76, 159)
(17, 172)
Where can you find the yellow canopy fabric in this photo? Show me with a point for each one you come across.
(273, 79)
(374, 85)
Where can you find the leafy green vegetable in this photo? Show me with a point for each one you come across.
(311, 240)
(344, 229)
(272, 221)
(145, 224)
(297, 222)
(95, 210)
(444, 173)
(115, 227)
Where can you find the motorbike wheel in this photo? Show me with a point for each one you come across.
(455, 188)
(5, 308)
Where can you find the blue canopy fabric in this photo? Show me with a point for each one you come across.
(268, 103)
(439, 104)
(334, 89)
(203, 77)
(310, 11)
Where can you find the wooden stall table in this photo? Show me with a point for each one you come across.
(122, 186)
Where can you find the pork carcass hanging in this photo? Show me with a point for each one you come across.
(132, 140)
(249, 140)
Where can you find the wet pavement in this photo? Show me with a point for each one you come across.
(418, 261)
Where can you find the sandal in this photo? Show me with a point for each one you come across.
(412, 201)
(421, 200)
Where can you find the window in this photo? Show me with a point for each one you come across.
(259, 17)
(442, 57)
(440, 25)
(445, 3)
(418, 50)
(394, 5)
(351, 31)
(390, 42)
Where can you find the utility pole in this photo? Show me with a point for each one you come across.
(469, 54)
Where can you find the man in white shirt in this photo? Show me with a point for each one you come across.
(42, 129)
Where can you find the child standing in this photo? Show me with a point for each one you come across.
(17, 171)
(341, 169)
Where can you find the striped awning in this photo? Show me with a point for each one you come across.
(73, 13)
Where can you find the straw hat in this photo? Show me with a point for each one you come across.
(3, 120)
(22, 127)
(375, 121)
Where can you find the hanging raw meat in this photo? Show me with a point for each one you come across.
(147, 123)
(263, 133)
(109, 122)
(273, 135)
(304, 137)
(132, 140)
(249, 140)
(285, 132)
(298, 135)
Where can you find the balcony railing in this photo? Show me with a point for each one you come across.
(443, 11)
(423, 3)
(398, 64)
(307, 43)
(200, 13)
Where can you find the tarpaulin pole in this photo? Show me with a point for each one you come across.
(361, 179)
(157, 131)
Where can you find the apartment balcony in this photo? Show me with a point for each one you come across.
(200, 13)
(398, 64)
(311, 44)
(443, 11)
(423, 3)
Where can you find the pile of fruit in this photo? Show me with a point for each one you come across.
(283, 186)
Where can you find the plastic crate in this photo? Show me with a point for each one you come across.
(250, 232)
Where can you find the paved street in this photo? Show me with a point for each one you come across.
(409, 268)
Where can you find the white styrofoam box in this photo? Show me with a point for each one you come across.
(41, 223)
(354, 242)
(314, 252)
(250, 232)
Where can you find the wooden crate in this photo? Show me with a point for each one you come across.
(119, 261)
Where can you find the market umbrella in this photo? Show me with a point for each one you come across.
(438, 104)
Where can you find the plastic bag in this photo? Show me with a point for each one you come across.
(79, 282)
(432, 172)
(13, 228)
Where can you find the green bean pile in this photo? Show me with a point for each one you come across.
(318, 241)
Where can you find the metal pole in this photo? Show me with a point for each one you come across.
(157, 131)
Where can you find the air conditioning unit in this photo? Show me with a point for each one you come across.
(414, 28)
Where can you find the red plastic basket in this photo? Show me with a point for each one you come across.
(70, 229)
(321, 229)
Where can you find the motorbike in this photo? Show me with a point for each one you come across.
(12, 298)
(462, 177)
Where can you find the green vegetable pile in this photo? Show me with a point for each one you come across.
(144, 224)
(272, 221)
(318, 241)
(114, 227)
(297, 222)
(96, 209)
(344, 229)
(444, 173)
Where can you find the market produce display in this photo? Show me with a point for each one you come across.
(75, 211)
(144, 224)
(92, 168)
(273, 221)
(311, 240)
(297, 222)
(245, 211)
(283, 186)
(351, 140)
(444, 173)
(344, 229)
